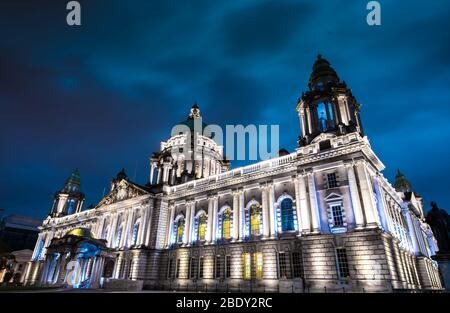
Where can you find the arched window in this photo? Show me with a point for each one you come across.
(325, 116)
(119, 235)
(226, 223)
(287, 215)
(134, 234)
(255, 212)
(201, 227)
(179, 230)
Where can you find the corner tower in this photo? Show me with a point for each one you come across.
(69, 199)
(328, 106)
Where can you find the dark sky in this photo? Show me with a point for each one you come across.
(102, 96)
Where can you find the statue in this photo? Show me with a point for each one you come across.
(439, 221)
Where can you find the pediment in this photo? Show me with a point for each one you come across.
(124, 190)
(333, 197)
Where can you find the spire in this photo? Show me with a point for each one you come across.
(401, 183)
(195, 111)
(74, 178)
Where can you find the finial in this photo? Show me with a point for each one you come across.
(319, 56)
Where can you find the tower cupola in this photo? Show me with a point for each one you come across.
(69, 199)
(328, 106)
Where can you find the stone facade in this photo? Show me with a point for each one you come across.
(320, 219)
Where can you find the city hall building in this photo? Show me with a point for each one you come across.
(320, 219)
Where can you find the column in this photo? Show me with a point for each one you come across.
(187, 224)
(304, 224)
(354, 195)
(152, 171)
(241, 214)
(158, 177)
(265, 209)
(148, 225)
(314, 206)
(367, 195)
(215, 213)
(272, 218)
(112, 230)
(142, 226)
(209, 233)
(236, 215)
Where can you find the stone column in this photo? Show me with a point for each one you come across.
(112, 230)
(158, 177)
(148, 225)
(367, 195)
(241, 214)
(236, 221)
(354, 195)
(265, 208)
(152, 171)
(210, 230)
(314, 206)
(187, 223)
(215, 212)
(304, 223)
(272, 219)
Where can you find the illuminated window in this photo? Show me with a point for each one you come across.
(247, 266)
(179, 230)
(202, 221)
(119, 235)
(342, 263)
(134, 236)
(258, 259)
(287, 215)
(255, 219)
(322, 116)
(226, 224)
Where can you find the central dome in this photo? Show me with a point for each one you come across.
(81, 232)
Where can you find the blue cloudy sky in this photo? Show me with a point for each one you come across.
(101, 96)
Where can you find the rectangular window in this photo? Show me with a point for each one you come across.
(228, 266)
(282, 264)
(193, 268)
(246, 266)
(177, 270)
(201, 265)
(219, 268)
(338, 219)
(297, 264)
(342, 263)
(258, 259)
(170, 268)
(331, 180)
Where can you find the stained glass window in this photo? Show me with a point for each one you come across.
(226, 224)
(255, 219)
(258, 259)
(247, 266)
(202, 227)
(180, 230)
(287, 215)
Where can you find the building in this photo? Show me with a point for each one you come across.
(14, 266)
(322, 218)
(18, 232)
